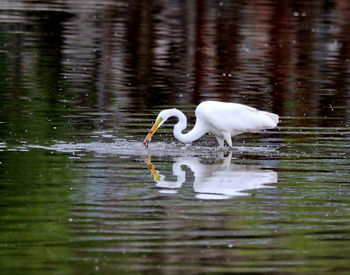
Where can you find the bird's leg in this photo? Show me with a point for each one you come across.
(228, 139)
(227, 160)
(225, 156)
(220, 141)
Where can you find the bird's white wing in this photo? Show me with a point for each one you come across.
(233, 118)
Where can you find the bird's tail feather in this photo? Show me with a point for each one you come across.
(273, 116)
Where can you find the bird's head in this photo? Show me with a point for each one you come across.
(161, 118)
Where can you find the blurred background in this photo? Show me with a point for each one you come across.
(112, 59)
(81, 82)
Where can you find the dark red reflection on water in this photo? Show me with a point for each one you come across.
(289, 57)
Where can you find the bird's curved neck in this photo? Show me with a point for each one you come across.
(192, 135)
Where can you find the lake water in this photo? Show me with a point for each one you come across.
(81, 83)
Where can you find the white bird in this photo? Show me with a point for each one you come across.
(222, 119)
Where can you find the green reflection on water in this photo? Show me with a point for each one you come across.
(62, 71)
(35, 219)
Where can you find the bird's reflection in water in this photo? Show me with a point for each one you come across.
(221, 180)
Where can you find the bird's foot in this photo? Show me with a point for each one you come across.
(224, 153)
(225, 148)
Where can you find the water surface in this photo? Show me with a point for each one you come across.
(81, 84)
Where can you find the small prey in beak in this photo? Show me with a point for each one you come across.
(145, 143)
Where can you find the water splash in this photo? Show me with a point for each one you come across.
(123, 147)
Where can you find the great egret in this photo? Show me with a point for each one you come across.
(223, 120)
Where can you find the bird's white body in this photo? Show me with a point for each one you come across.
(221, 119)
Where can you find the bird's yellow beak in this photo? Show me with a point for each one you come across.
(151, 132)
